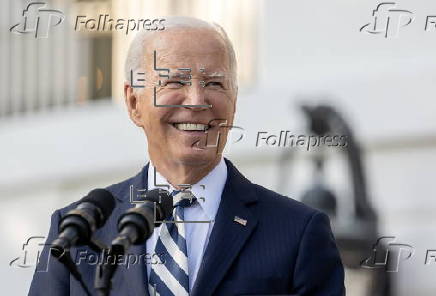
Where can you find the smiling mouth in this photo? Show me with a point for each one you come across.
(192, 127)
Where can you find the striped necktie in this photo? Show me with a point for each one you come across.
(172, 278)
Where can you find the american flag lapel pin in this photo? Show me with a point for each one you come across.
(240, 220)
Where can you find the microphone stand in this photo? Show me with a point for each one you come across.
(105, 270)
(64, 257)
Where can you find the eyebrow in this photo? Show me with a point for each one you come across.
(179, 75)
(215, 75)
(207, 76)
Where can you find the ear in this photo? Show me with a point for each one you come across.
(131, 100)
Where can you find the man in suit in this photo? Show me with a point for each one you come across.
(252, 241)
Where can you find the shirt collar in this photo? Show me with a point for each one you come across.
(210, 187)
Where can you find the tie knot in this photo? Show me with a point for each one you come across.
(183, 198)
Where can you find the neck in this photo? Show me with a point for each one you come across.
(178, 173)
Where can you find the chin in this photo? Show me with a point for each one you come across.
(198, 157)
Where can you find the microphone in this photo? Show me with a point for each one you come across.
(78, 225)
(136, 225)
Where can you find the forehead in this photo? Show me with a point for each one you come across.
(190, 48)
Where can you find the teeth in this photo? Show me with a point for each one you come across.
(191, 126)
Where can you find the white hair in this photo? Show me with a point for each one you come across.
(136, 50)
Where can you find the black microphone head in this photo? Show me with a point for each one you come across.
(103, 200)
(136, 224)
(162, 198)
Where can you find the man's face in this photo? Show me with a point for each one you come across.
(189, 135)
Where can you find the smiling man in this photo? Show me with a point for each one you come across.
(238, 237)
(201, 82)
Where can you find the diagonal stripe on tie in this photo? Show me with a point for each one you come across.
(178, 239)
(168, 281)
(173, 249)
(171, 278)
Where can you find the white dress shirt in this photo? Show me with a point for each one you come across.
(197, 234)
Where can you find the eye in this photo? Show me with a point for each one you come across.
(214, 85)
(174, 84)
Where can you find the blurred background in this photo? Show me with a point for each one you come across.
(64, 129)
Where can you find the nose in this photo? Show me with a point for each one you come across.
(195, 97)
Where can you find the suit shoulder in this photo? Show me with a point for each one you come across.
(283, 205)
(271, 202)
(120, 191)
(276, 199)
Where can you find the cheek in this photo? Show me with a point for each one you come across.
(153, 118)
(151, 114)
(169, 97)
(224, 108)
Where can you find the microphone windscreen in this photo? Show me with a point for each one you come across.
(161, 197)
(103, 199)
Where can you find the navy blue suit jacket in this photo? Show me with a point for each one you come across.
(285, 248)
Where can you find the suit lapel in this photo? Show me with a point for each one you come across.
(228, 236)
